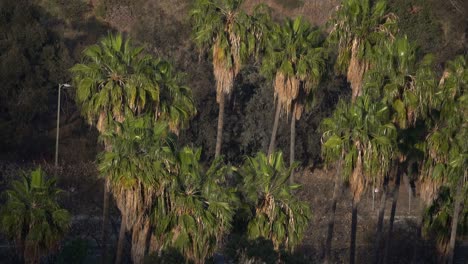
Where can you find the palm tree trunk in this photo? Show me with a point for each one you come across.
(331, 217)
(120, 244)
(396, 190)
(271, 148)
(219, 136)
(378, 240)
(352, 248)
(407, 183)
(292, 144)
(453, 233)
(105, 221)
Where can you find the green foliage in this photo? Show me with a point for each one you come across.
(195, 208)
(32, 217)
(140, 150)
(359, 26)
(116, 80)
(294, 51)
(438, 217)
(446, 148)
(360, 131)
(276, 213)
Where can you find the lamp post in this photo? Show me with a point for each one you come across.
(66, 85)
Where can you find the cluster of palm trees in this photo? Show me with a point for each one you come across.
(401, 114)
(166, 197)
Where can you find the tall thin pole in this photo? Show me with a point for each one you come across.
(58, 129)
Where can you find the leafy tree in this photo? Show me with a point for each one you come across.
(359, 26)
(295, 59)
(276, 214)
(232, 35)
(32, 216)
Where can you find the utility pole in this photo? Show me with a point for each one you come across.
(66, 85)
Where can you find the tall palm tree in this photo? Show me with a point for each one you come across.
(32, 216)
(277, 214)
(392, 82)
(116, 81)
(108, 83)
(134, 165)
(295, 60)
(232, 35)
(364, 138)
(446, 149)
(176, 202)
(358, 27)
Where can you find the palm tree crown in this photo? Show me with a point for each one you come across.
(277, 214)
(32, 217)
(116, 79)
(359, 27)
(295, 60)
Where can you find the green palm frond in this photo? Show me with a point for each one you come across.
(278, 215)
(196, 208)
(115, 80)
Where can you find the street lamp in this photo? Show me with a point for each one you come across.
(66, 85)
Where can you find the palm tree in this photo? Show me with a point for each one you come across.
(295, 60)
(175, 203)
(195, 208)
(32, 216)
(391, 82)
(358, 27)
(134, 165)
(446, 150)
(364, 138)
(232, 36)
(175, 103)
(116, 81)
(109, 82)
(277, 214)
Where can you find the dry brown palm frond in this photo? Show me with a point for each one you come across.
(429, 188)
(356, 69)
(445, 75)
(286, 90)
(134, 202)
(101, 123)
(224, 76)
(235, 51)
(299, 108)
